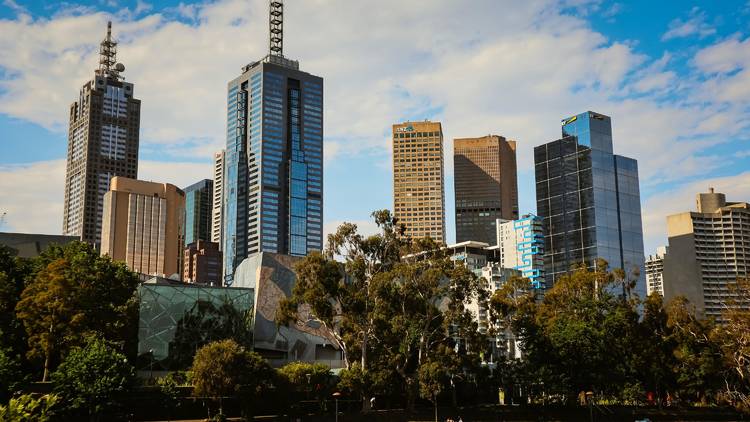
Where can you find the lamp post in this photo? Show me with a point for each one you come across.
(309, 376)
(150, 364)
(336, 396)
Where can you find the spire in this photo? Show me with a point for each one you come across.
(108, 65)
(276, 28)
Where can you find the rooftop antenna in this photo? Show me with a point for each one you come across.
(276, 28)
(108, 65)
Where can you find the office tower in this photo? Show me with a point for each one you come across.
(708, 251)
(484, 178)
(202, 263)
(143, 226)
(520, 246)
(198, 208)
(589, 201)
(102, 143)
(273, 187)
(418, 190)
(218, 198)
(655, 271)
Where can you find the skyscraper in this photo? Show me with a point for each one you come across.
(520, 246)
(218, 199)
(102, 143)
(143, 226)
(589, 200)
(484, 178)
(198, 203)
(655, 271)
(708, 251)
(418, 189)
(273, 192)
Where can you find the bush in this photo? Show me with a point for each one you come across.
(26, 408)
(91, 380)
(11, 376)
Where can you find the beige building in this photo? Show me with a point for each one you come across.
(143, 225)
(418, 189)
(708, 251)
(484, 180)
(218, 198)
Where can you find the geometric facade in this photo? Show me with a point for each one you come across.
(589, 201)
(198, 202)
(520, 244)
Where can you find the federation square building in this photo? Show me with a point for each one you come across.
(273, 168)
(589, 201)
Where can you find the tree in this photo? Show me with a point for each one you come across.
(13, 274)
(26, 408)
(93, 379)
(432, 379)
(311, 378)
(226, 369)
(733, 337)
(76, 293)
(11, 376)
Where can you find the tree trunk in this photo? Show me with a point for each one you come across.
(46, 367)
(436, 412)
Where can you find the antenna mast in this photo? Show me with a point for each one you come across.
(276, 28)
(108, 56)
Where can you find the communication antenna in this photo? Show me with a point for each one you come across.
(276, 28)
(108, 65)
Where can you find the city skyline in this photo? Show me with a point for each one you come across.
(673, 160)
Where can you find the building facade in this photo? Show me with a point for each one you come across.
(218, 199)
(589, 201)
(708, 251)
(655, 271)
(198, 211)
(102, 144)
(273, 192)
(143, 226)
(418, 189)
(485, 184)
(201, 263)
(520, 246)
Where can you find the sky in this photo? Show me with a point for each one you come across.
(674, 76)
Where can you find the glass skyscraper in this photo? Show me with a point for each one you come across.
(198, 198)
(273, 192)
(589, 200)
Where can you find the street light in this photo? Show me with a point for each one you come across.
(336, 396)
(150, 364)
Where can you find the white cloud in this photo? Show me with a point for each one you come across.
(695, 25)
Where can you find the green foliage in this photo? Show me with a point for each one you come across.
(92, 379)
(432, 380)
(303, 376)
(27, 408)
(76, 293)
(11, 375)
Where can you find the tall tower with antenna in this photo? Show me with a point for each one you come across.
(102, 143)
(273, 177)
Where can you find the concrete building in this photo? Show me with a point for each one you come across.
(218, 199)
(708, 251)
(520, 246)
(589, 200)
(198, 211)
(273, 168)
(418, 189)
(486, 189)
(655, 271)
(144, 226)
(102, 144)
(202, 263)
(30, 245)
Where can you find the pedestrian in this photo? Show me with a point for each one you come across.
(372, 403)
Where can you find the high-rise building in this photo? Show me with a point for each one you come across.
(484, 178)
(102, 143)
(273, 186)
(144, 226)
(708, 251)
(418, 190)
(520, 246)
(218, 198)
(655, 271)
(589, 200)
(202, 263)
(198, 208)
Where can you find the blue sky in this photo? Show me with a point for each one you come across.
(673, 75)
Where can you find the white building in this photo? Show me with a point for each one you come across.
(218, 199)
(520, 246)
(655, 271)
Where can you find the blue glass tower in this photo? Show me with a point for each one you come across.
(198, 197)
(589, 200)
(273, 194)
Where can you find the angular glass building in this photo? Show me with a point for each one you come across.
(589, 200)
(198, 198)
(273, 193)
